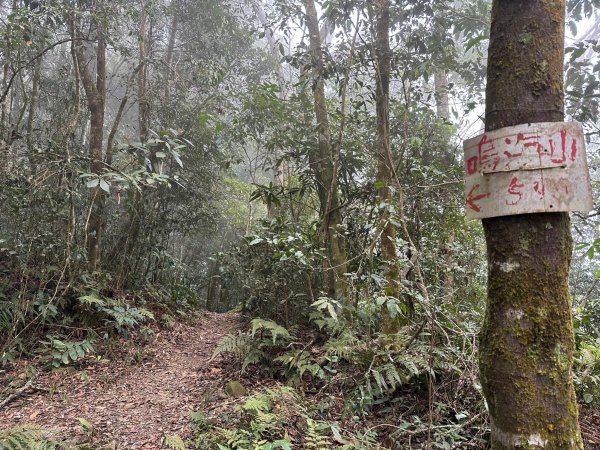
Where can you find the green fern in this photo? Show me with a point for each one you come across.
(344, 346)
(174, 442)
(238, 344)
(253, 349)
(238, 439)
(587, 372)
(126, 318)
(265, 424)
(263, 419)
(272, 328)
(7, 315)
(315, 439)
(28, 437)
(258, 403)
(297, 363)
(254, 356)
(92, 300)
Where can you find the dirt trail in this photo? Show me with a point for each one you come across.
(130, 405)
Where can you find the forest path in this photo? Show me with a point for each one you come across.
(131, 405)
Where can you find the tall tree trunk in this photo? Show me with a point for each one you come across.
(35, 89)
(95, 92)
(442, 100)
(385, 162)
(321, 161)
(282, 171)
(73, 113)
(171, 48)
(273, 48)
(5, 114)
(447, 157)
(213, 293)
(144, 49)
(527, 338)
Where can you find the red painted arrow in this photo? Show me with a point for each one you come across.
(471, 199)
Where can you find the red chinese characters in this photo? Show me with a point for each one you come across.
(515, 189)
(522, 150)
(489, 157)
(527, 168)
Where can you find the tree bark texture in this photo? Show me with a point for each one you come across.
(171, 48)
(95, 91)
(35, 91)
(321, 161)
(442, 99)
(144, 49)
(385, 162)
(527, 340)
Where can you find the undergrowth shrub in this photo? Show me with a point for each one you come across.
(375, 371)
(278, 418)
(61, 322)
(279, 264)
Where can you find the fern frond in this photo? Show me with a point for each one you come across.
(92, 300)
(238, 344)
(265, 424)
(174, 442)
(25, 437)
(258, 403)
(343, 346)
(254, 356)
(144, 313)
(391, 375)
(315, 439)
(7, 315)
(273, 328)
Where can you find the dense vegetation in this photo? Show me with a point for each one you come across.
(165, 156)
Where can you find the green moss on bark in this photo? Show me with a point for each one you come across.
(527, 339)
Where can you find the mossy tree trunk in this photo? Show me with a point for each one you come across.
(385, 164)
(527, 339)
(144, 46)
(322, 161)
(95, 92)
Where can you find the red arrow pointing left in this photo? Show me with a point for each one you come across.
(471, 198)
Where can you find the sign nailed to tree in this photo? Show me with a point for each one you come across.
(529, 168)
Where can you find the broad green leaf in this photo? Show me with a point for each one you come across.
(104, 186)
(87, 426)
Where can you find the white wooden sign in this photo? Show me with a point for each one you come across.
(529, 168)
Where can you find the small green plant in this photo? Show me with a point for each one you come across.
(147, 334)
(587, 372)
(298, 362)
(65, 352)
(125, 318)
(121, 316)
(86, 426)
(169, 321)
(257, 346)
(263, 422)
(25, 437)
(6, 357)
(199, 422)
(173, 442)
